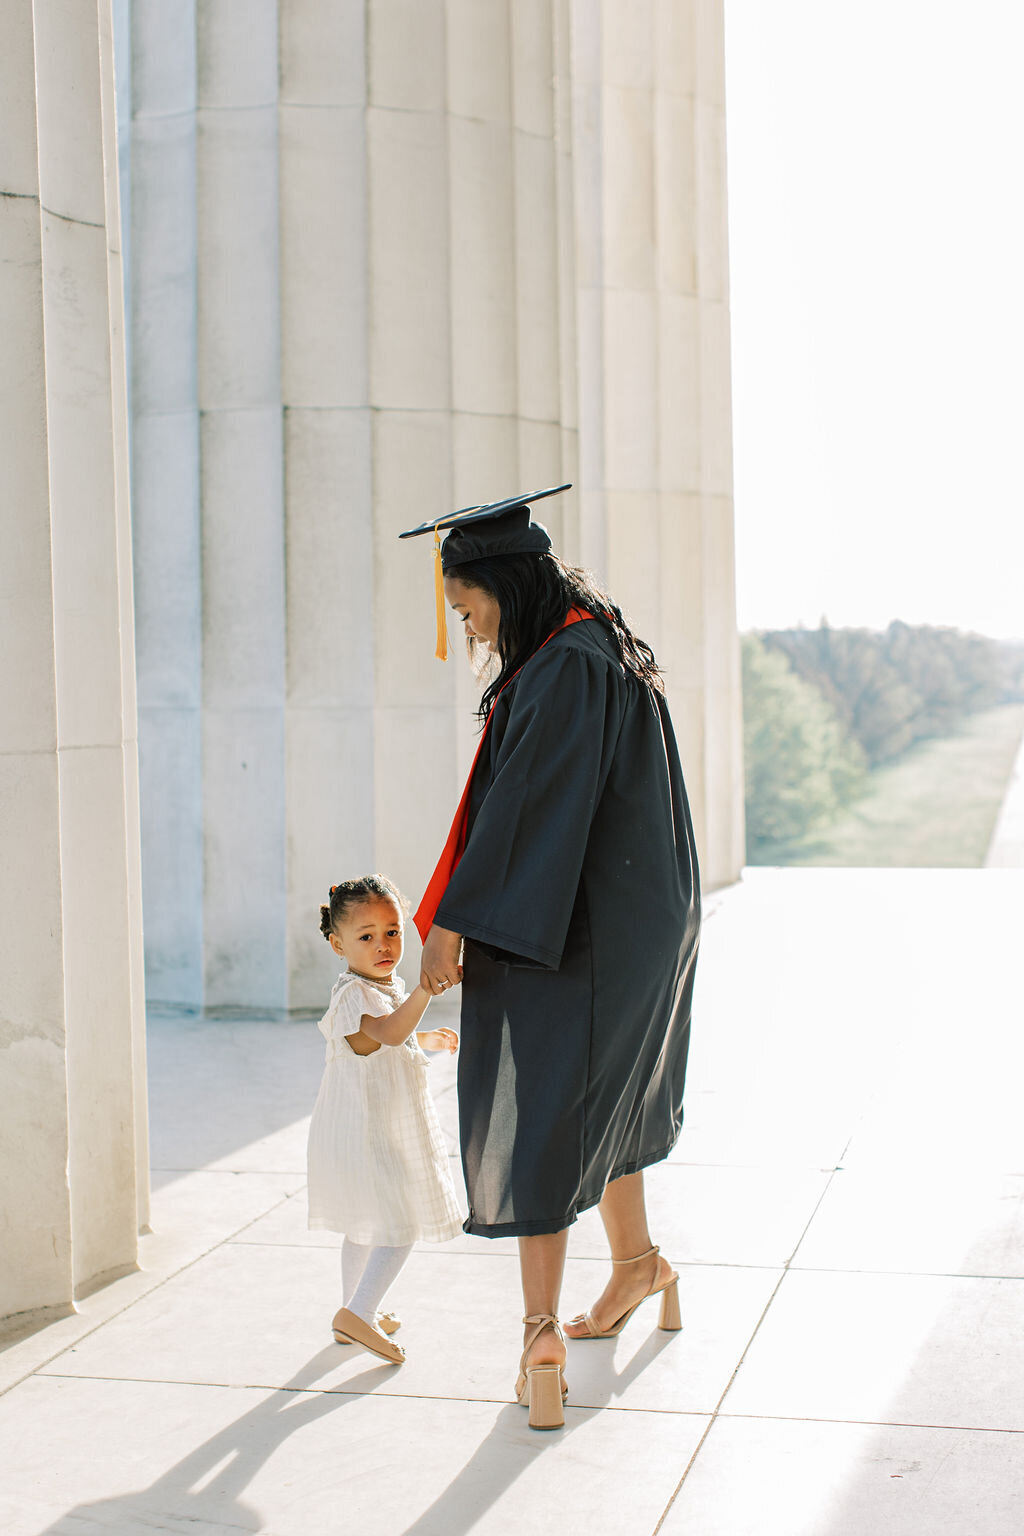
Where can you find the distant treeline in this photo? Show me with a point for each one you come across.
(892, 687)
(823, 706)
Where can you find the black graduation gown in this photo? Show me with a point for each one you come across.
(579, 900)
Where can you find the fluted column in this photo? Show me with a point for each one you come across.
(242, 504)
(546, 413)
(424, 330)
(126, 604)
(69, 920)
(725, 838)
(328, 481)
(410, 374)
(33, 1088)
(160, 169)
(654, 391)
(390, 259)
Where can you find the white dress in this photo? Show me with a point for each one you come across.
(378, 1165)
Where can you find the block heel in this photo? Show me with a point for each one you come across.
(670, 1318)
(543, 1394)
(542, 1388)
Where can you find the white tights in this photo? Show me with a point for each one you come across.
(367, 1274)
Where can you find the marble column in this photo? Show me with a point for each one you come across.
(120, 423)
(654, 393)
(725, 835)
(208, 497)
(242, 504)
(328, 482)
(158, 66)
(424, 332)
(392, 258)
(70, 925)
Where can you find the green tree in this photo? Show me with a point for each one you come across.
(801, 765)
(891, 688)
(850, 669)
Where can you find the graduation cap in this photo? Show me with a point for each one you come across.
(482, 533)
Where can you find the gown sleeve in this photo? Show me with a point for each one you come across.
(514, 888)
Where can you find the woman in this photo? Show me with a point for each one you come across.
(571, 892)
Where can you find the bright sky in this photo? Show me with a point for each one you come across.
(876, 167)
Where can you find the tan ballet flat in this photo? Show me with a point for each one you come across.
(542, 1388)
(669, 1319)
(348, 1328)
(387, 1322)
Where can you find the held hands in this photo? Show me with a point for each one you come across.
(440, 969)
(439, 1040)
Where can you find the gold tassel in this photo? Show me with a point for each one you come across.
(441, 651)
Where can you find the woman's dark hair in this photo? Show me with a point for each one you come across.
(534, 593)
(350, 892)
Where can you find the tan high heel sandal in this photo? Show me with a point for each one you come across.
(542, 1388)
(669, 1318)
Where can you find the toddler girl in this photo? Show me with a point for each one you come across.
(378, 1167)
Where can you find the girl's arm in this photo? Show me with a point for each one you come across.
(395, 1028)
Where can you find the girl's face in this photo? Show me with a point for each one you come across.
(477, 609)
(369, 937)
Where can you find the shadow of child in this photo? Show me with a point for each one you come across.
(203, 1491)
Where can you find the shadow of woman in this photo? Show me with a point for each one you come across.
(188, 1498)
(512, 1447)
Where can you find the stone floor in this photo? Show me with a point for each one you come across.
(845, 1206)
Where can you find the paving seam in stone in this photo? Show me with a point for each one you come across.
(746, 1349)
(891, 1274)
(150, 1291)
(409, 1397)
(794, 1418)
(572, 1258)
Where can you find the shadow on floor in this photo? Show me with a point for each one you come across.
(181, 1500)
(205, 1490)
(512, 1446)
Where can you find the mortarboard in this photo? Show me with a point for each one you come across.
(482, 533)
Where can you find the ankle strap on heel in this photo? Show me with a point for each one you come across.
(639, 1256)
(540, 1321)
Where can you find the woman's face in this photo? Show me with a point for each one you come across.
(477, 609)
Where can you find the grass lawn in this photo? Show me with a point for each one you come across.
(935, 807)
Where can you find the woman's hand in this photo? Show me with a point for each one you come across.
(440, 969)
(439, 1040)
